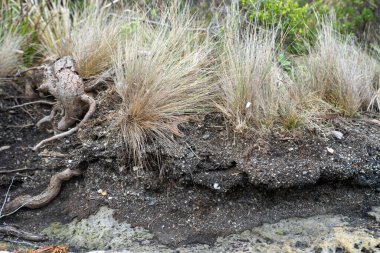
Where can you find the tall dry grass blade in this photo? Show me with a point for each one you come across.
(342, 74)
(251, 82)
(161, 75)
(10, 53)
(90, 36)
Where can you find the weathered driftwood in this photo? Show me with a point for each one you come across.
(64, 83)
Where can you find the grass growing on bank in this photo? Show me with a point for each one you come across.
(162, 74)
(10, 52)
(341, 73)
(254, 90)
(166, 67)
(89, 35)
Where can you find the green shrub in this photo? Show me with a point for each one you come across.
(298, 19)
(352, 16)
(288, 15)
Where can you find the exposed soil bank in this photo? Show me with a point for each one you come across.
(211, 184)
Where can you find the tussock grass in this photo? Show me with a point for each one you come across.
(162, 74)
(253, 88)
(90, 35)
(341, 73)
(10, 53)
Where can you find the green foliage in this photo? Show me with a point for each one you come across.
(288, 15)
(297, 20)
(17, 17)
(352, 16)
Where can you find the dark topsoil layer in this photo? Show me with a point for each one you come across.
(213, 182)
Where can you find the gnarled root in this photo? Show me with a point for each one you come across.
(50, 117)
(14, 231)
(43, 198)
(92, 105)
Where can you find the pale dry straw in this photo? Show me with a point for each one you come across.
(342, 74)
(162, 75)
(90, 36)
(253, 87)
(10, 53)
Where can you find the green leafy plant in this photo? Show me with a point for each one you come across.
(18, 17)
(288, 15)
(352, 16)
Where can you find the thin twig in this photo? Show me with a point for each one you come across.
(192, 150)
(17, 170)
(6, 196)
(21, 242)
(27, 112)
(30, 103)
(17, 126)
(14, 231)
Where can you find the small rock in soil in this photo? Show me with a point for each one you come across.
(330, 150)
(338, 135)
(4, 148)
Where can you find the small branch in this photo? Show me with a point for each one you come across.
(30, 103)
(16, 170)
(6, 196)
(17, 126)
(13, 231)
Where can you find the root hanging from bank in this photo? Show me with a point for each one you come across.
(44, 198)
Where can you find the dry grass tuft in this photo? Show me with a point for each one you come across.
(10, 53)
(253, 88)
(341, 73)
(161, 75)
(90, 36)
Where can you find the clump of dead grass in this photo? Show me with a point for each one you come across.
(90, 35)
(341, 73)
(162, 74)
(10, 53)
(254, 91)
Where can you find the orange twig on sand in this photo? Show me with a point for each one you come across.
(50, 249)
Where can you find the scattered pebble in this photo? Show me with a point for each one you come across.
(216, 186)
(103, 193)
(206, 136)
(4, 148)
(337, 134)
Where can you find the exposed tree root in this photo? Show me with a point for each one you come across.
(50, 117)
(14, 231)
(34, 202)
(64, 83)
(92, 106)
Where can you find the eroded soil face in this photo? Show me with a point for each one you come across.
(212, 183)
